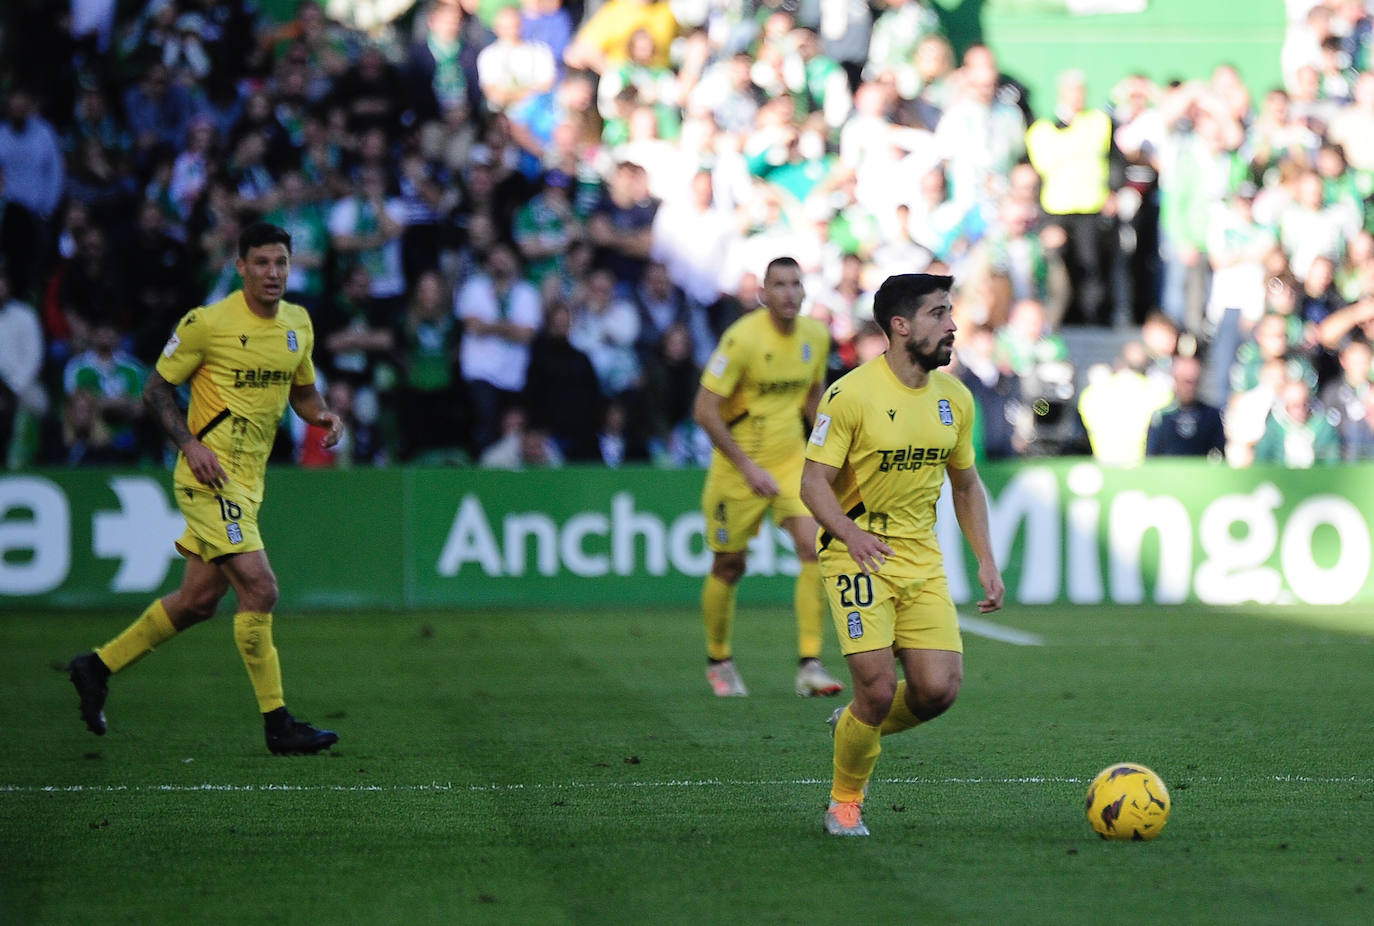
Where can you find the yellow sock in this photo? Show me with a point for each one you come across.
(152, 628)
(856, 752)
(899, 716)
(718, 613)
(809, 600)
(253, 634)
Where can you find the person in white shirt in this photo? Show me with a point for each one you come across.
(693, 238)
(367, 226)
(605, 328)
(1309, 227)
(21, 358)
(501, 312)
(511, 70)
(979, 136)
(1353, 126)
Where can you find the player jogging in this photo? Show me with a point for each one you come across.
(886, 434)
(765, 375)
(245, 357)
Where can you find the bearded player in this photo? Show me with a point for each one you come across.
(886, 436)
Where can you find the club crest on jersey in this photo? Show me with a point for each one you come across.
(291, 341)
(946, 413)
(856, 625)
(234, 532)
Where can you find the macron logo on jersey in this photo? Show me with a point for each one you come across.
(820, 430)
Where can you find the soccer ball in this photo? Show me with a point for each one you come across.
(1127, 801)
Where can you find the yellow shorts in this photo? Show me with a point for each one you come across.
(879, 611)
(216, 524)
(734, 513)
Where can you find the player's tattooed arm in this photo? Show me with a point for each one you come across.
(160, 398)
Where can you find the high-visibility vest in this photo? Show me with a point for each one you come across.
(1072, 162)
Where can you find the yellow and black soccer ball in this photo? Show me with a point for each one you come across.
(1127, 801)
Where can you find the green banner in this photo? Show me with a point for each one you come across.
(96, 537)
(1071, 531)
(1036, 40)
(1065, 531)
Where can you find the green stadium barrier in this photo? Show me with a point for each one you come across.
(1162, 39)
(1065, 531)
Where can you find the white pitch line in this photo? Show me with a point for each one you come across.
(494, 787)
(497, 787)
(1000, 632)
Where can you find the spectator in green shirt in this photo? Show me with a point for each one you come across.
(1298, 433)
(103, 410)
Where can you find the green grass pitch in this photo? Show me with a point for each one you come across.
(543, 767)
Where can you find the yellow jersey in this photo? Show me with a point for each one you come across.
(241, 368)
(1073, 160)
(764, 377)
(609, 29)
(891, 444)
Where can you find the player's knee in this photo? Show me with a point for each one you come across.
(729, 568)
(261, 595)
(873, 699)
(201, 609)
(186, 609)
(935, 698)
(267, 596)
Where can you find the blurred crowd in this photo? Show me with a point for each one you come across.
(520, 225)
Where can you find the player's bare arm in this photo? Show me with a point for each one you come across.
(971, 508)
(307, 402)
(813, 402)
(160, 398)
(706, 413)
(818, 494)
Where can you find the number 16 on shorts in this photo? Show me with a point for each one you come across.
(232, 513)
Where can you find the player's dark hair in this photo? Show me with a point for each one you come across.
(261, 233)
(787, 263)
(901, 294)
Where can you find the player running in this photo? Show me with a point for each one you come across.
(886, 434)
(245, 358)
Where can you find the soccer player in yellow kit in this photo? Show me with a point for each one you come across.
(765, 375)
(886, 435)
(245, 358)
